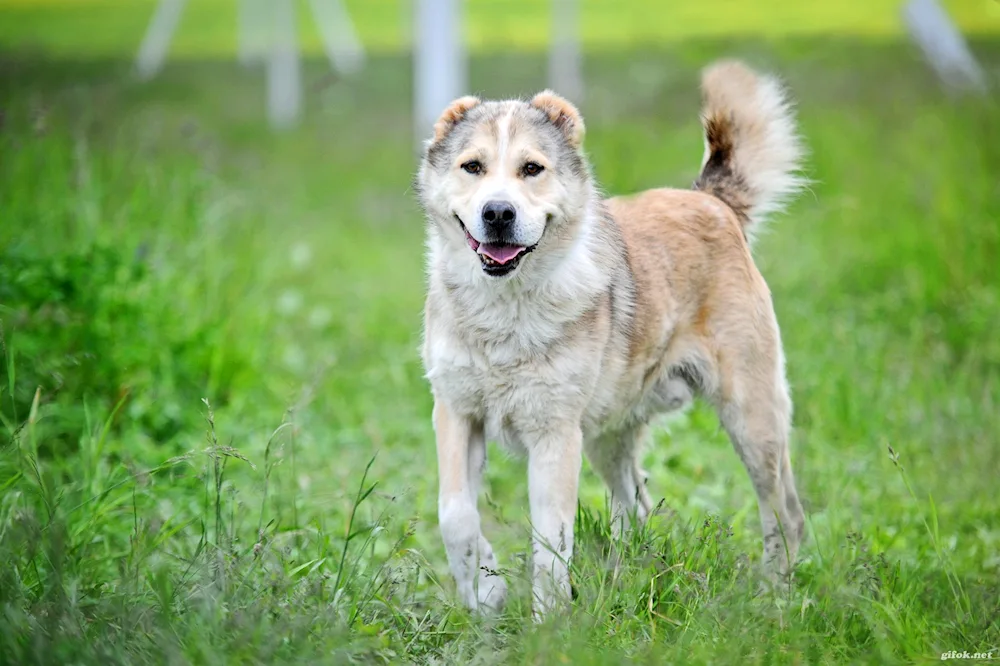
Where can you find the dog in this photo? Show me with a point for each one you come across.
(558, 322)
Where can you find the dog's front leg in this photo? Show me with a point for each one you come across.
(553, 482)
(461, 450)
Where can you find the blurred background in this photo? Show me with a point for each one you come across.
(205, 211)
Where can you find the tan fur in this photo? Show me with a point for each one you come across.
(753, 154)
(452, 115)
(563, 115)
(625, 308)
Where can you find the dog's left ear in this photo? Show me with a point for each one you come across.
(453, 115)
(562, 114)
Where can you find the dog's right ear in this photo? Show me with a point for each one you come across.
(453, 115)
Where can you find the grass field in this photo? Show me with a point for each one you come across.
(217, 444)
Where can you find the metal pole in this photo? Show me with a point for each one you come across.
(340, 41)
(565, 56)
(943, 45)
(440, 61)
(156, 42)
(284, 80)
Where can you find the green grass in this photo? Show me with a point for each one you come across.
(106, 28)
(158, 247)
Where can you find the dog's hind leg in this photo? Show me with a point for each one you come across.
(461, 449)
(755, 410)
(615, 456)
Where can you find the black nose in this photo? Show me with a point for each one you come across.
(499, 214)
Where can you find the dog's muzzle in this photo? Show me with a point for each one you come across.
(497, 259)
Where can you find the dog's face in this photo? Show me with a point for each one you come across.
(501, 180)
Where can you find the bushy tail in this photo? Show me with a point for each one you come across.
(753, 153)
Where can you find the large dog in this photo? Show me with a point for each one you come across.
(559, 322)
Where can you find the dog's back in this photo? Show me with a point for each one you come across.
(689, 250)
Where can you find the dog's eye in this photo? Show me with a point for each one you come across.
(532, 169)
(473, 167)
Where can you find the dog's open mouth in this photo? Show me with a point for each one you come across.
(497, 258)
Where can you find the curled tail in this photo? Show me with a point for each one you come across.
(753, 153)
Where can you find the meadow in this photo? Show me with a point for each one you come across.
(216, 441)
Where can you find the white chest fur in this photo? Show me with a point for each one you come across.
(508, 353)
(509, 366)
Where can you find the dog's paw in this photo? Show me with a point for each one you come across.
(491, 592)
(487, 594)
(773, 582)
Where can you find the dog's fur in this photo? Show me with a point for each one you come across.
(614, 311)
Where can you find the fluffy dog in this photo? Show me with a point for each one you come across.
(559, 322)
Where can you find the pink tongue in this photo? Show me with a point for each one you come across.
(500, 253)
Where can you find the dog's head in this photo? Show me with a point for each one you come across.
(500, 180)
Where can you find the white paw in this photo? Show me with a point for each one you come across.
(625, 520)
(487, 594)
(549, 596)
(491, 592)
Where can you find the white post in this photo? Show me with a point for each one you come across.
(340, 41)
(252, 31)
(943, 45)
(564, 53)
(440, 67)
(156, 42)
(284, 80)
